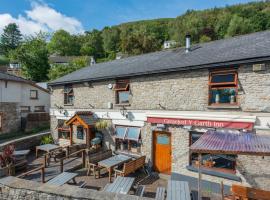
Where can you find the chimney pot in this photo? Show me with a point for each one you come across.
(188, 42)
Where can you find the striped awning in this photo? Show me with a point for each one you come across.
(215, 142)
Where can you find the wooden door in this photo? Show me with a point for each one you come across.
(162, 152)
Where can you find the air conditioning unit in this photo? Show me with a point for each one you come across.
(258, 67)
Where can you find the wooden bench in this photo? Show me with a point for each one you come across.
(160, 193)
(240, 192)
(92, 161)
(130, 167)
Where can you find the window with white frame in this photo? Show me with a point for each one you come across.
(128, 139)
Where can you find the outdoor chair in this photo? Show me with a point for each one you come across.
(92, 162)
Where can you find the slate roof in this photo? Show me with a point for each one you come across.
(236, 50)
(10, 77)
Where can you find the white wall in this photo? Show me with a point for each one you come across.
(20, 93)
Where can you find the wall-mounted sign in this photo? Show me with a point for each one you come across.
(202, 123)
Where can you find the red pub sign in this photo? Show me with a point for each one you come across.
(202, 123)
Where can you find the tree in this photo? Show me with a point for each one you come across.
(10, 39)
(92, 44)
(64, 44)
(111, 39)
(58, 70)
(239, 25)
(33, 55)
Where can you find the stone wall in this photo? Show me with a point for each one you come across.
(20, 189)
(27, 142)
(11, 120)
(178, 91)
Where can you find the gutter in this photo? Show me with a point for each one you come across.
(194, 67)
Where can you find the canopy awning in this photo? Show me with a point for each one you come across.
(214, 142)
(83, 118)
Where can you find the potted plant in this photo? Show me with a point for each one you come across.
(7, 161)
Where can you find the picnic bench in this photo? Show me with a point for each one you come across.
(20, 161)
(130, 167)
(240, 192)
(47, 148)
(178, 190)
(62, 178)
(121, 185)
(160, 193)
(93, 159)
(111, 162)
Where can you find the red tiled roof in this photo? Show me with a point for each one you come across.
(232, 143)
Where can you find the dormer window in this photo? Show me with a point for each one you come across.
(122, 91)
(68, 95)
(223, 87)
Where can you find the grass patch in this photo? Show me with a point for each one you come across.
(16, 135)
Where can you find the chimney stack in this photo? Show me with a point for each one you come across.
(188, 42)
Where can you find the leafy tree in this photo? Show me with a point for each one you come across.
(239, 25)
(111, 39)
(58, 70)
(10, 39)
(33, 55)
(92, 44)
(205, 38)
(64, 44)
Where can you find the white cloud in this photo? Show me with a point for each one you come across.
(41, 18)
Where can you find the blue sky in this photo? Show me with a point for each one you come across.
(79, 15)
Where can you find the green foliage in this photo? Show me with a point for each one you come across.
(3, 60)
(238, 26)
(47, 139)
(33, 55)
(10, 39)
(64, 44)
(58, 70)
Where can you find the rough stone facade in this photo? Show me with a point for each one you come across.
(11, 120)
(187, 91)
(20, 189)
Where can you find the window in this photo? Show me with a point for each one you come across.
(25, 109)
(39, 108)
(68, 95)
(128, 139)
(63, 130)
(33, 94)
(122, 91)
(215, 162)
(223, 87)
(80, 134)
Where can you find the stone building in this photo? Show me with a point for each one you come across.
(158, 104)
(18, 98)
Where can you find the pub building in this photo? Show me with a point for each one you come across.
(159, 104)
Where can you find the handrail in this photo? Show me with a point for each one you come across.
(42, 168)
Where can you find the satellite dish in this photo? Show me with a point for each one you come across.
(110, 86)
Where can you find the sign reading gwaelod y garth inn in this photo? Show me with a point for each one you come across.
(159, 104)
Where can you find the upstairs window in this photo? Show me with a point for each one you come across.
(33, 94)
(39, 108)
(68, 95)
(223, 87)
(122, 91)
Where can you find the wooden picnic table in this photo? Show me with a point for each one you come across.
(112, 162)
(21, 152)
(47, 148)
(62, 178)
(178, 190)
(121, 185)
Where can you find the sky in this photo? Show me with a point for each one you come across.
(77, 16)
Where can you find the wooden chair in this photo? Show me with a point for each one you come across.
(160, 193)
(140, 190)
(92, 162)
(240, 192)
(130, 167)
